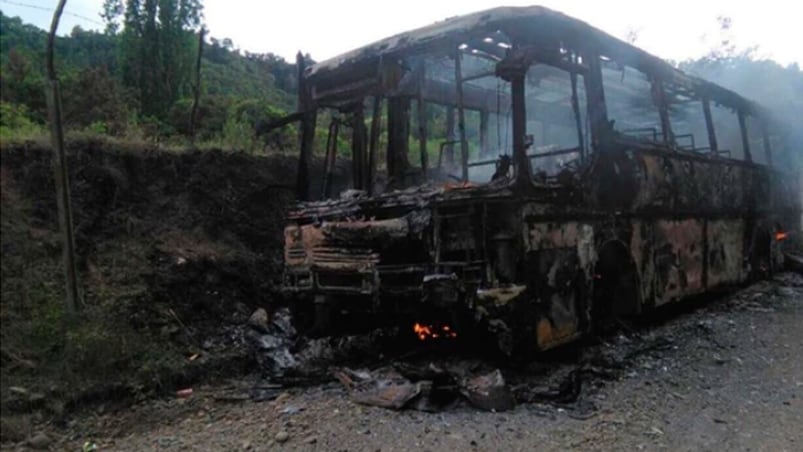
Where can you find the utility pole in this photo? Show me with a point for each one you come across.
(60, 170)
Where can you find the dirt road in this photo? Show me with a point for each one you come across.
(726, 375)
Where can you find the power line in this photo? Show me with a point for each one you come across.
(49, 10)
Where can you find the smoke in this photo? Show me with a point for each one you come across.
(778, 89)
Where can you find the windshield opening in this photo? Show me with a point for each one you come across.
(557, 120)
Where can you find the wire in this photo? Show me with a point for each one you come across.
(50, 10)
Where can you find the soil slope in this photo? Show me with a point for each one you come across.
(176, 249)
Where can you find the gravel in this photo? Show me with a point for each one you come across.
(726, 374)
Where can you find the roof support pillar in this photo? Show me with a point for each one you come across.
(307, 131)
(461, 116)
(709, 125)
(373, 146)
(358, 147)
(745, 139)
(523, 170)
(398, 138)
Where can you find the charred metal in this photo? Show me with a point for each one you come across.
(538, 176)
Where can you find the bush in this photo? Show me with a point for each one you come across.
(238, 134)
(210, 118)
(94, 99)
(17, 124)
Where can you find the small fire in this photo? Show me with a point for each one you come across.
(425, 332)
(781, 236)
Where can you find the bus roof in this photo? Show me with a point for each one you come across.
(521, 23)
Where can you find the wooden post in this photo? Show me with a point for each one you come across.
(196, 89)
(307, 131)
(709, 125)
(461, 117)
(61, 172)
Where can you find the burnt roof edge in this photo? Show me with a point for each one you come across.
(456, 27)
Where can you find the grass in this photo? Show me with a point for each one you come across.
(71, 354)
(101, 347)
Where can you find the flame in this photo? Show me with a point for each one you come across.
(422, 331)
(425, 332)
(781, 235)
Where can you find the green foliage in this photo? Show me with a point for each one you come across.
(16, 123)
(157, 49)
(210, 117)
(104, 86)
(250, 76)
(239, 135)
(22, 85)
(94, 97)
(14, 116)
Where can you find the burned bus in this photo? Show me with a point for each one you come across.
(522, 172)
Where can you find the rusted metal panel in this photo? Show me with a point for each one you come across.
(564, 234)
(562, 255)
(725, 252)
(653, 182)
(678, 255)
(641, 247)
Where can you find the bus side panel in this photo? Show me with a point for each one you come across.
(678, 259)
(643, 252)
(726, 187)
(559, 261)
(725, 252)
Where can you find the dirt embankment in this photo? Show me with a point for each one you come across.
(175, 251)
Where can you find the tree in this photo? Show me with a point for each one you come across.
(95, 98)
(21, 84)
(157, 49)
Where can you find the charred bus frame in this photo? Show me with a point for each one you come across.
(619, 187)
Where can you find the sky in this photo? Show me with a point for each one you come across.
(676, 30)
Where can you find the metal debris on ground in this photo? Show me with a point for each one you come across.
(384, 388)
(433, 390)
(272, 343)
(489, 392)
(284, 356)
